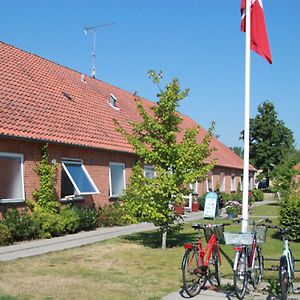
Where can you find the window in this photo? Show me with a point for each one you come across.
(149, 172)
(116, 179)
(223, 183)
(11, 178)
(209, 182)
(113, 101)
(232, 183)
(75, 180)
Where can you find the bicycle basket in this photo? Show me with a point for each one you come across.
(233, 238)
(261, 234)
(219, 232)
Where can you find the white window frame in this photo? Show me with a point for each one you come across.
(212, 182)
(223, 182)
(21, 156)
(194, 190)
(151, 169)
(232, 183)
(110, 182)
(77, 190)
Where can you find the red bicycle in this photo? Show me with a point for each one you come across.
(200, 265)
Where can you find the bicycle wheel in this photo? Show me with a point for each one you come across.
(283, 278)
(258, 268)
(240, 276)
(215, 273)
(193, 276)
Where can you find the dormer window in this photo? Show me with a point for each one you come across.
(113, 101)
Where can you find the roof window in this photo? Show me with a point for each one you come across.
(67, 95)
(113, 101)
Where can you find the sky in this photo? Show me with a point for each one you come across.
(196, 41)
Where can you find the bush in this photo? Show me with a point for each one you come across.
(290, 215)
(5, 235)
(234, 208)
(88, 217)
(20, 224)
(70, 220)
(49, 224)
(201, 201)
(112, 215)
(257, 195)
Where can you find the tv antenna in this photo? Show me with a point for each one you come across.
(93, 29)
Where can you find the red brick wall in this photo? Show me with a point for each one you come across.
(95, 161)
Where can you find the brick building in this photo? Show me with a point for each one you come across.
(41, 101)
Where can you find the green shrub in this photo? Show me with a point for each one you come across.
(5, 235)
(257, 195)
(201, 201)
(70, 220)
(88, 217)
(112, 215)
(290, 215)
(20, 224)
(49, 224)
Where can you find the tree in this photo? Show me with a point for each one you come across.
(298, 156)
(238, 151)
(270, 140)
(177, 163)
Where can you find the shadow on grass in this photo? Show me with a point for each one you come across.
(4, 297)
(152, 239)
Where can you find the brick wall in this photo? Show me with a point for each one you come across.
(95, 161)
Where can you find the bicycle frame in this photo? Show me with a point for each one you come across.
(251, 255)
(287, 254)
(205, 254)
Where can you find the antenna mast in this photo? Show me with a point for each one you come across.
(93, 29)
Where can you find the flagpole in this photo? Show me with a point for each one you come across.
(245, 214)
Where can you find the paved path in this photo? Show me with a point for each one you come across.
(211, 293)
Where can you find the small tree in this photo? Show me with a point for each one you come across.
(177, 162)
(45, 195)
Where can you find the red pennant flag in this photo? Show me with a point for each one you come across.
(258, 34)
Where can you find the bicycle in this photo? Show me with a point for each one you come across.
(248, 263)
(196, 261)
(286, 264)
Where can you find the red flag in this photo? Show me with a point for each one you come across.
(258, 34)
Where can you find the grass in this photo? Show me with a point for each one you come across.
(271, 210)
(131, 267)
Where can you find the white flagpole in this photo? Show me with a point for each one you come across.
(245, 213)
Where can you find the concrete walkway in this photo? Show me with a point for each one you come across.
(42, 246)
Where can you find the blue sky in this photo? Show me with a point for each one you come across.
(197, 41)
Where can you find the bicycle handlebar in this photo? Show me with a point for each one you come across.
(282, 230)
(267, 220)
(203, 226)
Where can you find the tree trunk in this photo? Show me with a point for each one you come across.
(164, 240)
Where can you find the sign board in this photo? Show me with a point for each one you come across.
(210, 205)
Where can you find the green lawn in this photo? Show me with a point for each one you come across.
(131, 267)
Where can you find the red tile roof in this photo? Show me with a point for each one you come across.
(42, 100)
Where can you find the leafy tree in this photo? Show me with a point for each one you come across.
(270, 140)
(238, 151)
(177, 162)
(298, 156)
